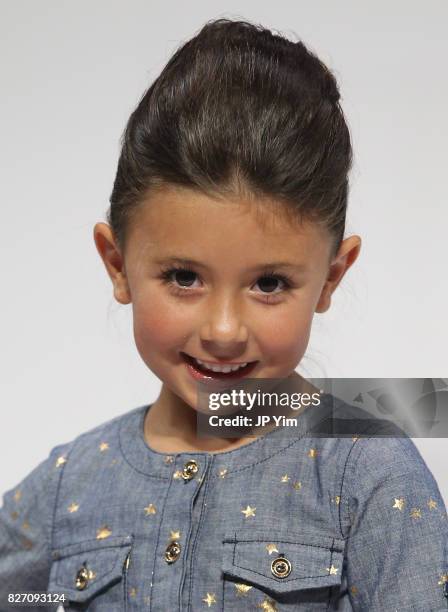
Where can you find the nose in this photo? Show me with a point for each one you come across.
(223, 329)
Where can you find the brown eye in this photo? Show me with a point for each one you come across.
(184, 276)
(268, 284)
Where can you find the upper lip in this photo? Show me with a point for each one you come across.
(219, 362)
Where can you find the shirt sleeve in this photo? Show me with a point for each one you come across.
(397, 548)
(25, 530)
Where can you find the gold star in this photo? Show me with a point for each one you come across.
(103, 532)
(354, 590)
(177, 474)
(175, 535)
(25, 525)
(297, 485)
(271, 548)
(14, 515)
(222, 473)
(150, 509)
(17, 495)
(269, 605)
(248, 511)
(432, 504)
(285, 478)
(333, 570)
(133, 592)
(27, 543)
(337, 499)
(113, 462)
(209, 599)
(60, 461)
(443, 579)
(73, 507)
(398, 503)
(312, 453)
(104, 446)
(242, 589)
(416, 513)
(169, 459)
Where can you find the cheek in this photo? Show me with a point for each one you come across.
(157, 329)
(286, 334)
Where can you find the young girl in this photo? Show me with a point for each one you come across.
(226, 234)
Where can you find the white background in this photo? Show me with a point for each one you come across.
(72, 72)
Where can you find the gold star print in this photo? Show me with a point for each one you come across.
(17, 495)
(133, 592)
(177, 474)
(285, 478)
(271, 548)
(175, 535)
(332, 570)
(248, 511)
(209, 599)
(432, 504)
(312, 453)
(150, 509)
(354, 590)
(113, 462)
(398, 503)
(60, 461)
(337, 499)
(169, 459)
(14, 515)
(27, 544)
(443, 579)
(26, 525)
(73, 507)
(104, 446)
(416, 513)
(242, 589)
(103, 532)
(297, 485)
(222, 473)
(269, 605)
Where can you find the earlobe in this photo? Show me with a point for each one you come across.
(113, 261)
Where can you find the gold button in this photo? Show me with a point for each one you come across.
(82, 578)
(190, 470)
(172, 552)
(281, 567)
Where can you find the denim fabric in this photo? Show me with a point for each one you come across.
(283, 523)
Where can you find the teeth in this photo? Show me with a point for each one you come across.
(217, 368)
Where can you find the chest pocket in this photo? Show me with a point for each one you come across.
(281, 570)
(92, 574)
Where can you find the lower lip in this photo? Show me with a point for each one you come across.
(198, 374)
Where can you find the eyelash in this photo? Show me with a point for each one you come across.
(167, 274)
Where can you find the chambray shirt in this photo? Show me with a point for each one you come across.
(286, 522)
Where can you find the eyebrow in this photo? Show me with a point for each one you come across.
(260, 267)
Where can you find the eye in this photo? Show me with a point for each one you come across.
(268, 283)
(183, 277)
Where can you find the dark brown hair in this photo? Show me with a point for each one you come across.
(239, 111)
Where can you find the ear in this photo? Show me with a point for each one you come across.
(113, 261)
(345, 257)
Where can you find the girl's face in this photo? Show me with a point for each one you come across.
(227, 281)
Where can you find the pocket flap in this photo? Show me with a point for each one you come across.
(284, 561)
(81, 570)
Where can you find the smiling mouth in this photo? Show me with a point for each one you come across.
(200, 371)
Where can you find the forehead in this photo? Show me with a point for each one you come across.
(181, 222)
